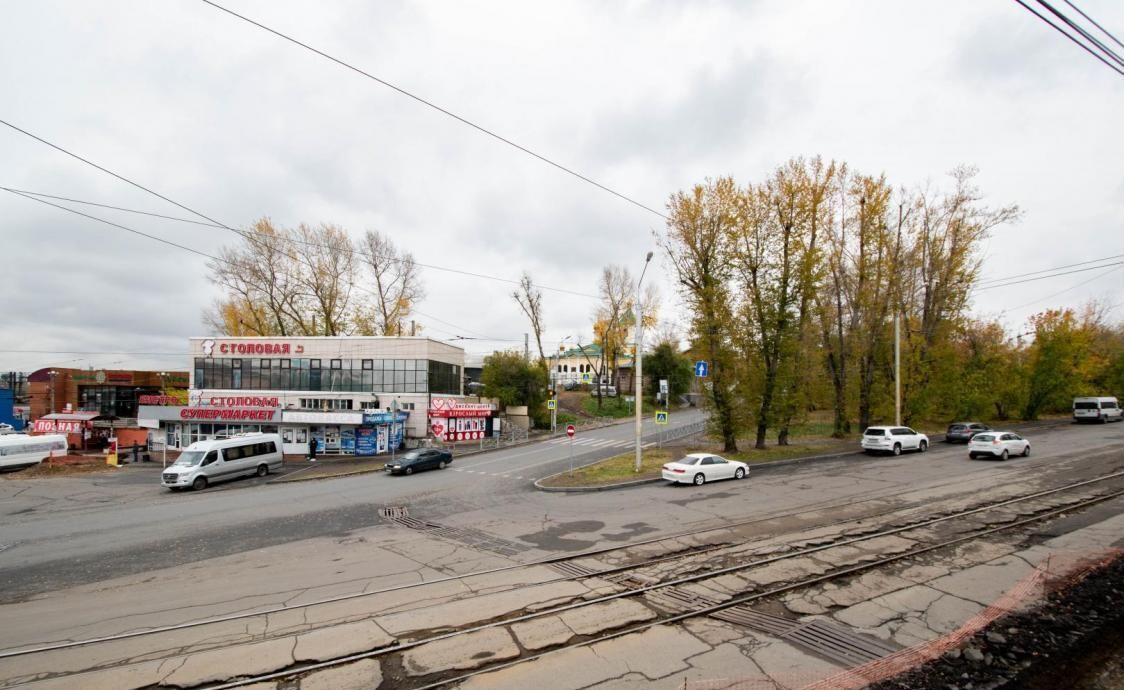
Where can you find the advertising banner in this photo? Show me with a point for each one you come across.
(347, 440)
(366, 441)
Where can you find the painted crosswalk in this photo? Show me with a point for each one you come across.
(590, 442)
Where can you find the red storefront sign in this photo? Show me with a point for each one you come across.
(243, 401)
(451, 407)
(255, 349)
(57, 426)
(230, 414)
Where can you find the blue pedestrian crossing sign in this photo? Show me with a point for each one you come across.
(701, 368)
(551, 404)
(661, 417)
(585, 377)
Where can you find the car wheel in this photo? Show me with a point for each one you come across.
(442, 465)
(199, 484)
(924, 446)
(408, 470)
(739, 473)
(972, 456)
(1026, 451)
(263, 470)
(1004, 455)
(897, 449)
(700, 479)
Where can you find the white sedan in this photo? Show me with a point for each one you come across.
(998, 444)
(700, 468)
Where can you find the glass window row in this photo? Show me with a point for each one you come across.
(346, 375)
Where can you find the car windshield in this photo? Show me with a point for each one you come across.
(190, 458)
(411, 455)
(688, 461)
(957, 427)
(983, 437)
(1084, 405)
(874, 431)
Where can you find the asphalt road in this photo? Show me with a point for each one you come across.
(70, 531)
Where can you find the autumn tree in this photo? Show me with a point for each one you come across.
(396, 286)
(696, 243)
(529, 299)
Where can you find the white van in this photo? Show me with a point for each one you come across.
(1101, 409)
(207, 462)
(21, 450)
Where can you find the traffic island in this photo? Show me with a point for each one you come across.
(619, 471)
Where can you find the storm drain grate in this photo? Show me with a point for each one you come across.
(822, 637)
(400, 516)
(572, 569)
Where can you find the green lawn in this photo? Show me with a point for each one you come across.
(616, 469)
(610, 407)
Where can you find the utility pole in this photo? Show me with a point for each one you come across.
(413, 328)
(527, 347)
(640, 361)
(897, 370)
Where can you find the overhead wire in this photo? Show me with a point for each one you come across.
(1092, 21)
(438, 108)
(1065, 33)
(1050, 270)
(1045, 277)
(1084, 33)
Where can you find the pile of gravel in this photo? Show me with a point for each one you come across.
(1073, 640)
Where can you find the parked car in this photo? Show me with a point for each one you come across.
(700, 468)
(1102, 409)
(206, 462)
(419, 459)
(893, 439)
(962, 432)
(7, 428)
(998, 444)
(607, 391)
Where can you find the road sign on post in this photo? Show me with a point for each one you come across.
(661, 417)
(701, 368)
(663, 387)
(551, 404)
(570, 431)
(586, 377)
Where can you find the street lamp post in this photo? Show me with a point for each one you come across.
(640, 360)
(554, 384)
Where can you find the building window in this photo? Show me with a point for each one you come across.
(368, 364)
(264, 364)
(314, 364)
(337, 364)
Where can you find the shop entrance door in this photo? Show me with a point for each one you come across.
(178, 440)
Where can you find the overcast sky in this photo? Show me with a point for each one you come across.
(645, 97)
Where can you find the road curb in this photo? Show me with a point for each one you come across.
(934, 438)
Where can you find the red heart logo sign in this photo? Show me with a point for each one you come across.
(438, 429)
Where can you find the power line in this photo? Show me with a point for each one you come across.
(1050, 270)
(438, 108)
(1071, 287)
(1054, 275)
(1094, 23)
(116, 225)
(114, 208)
(1081, 30)
(1065, 33)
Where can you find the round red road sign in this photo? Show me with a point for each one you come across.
(570, 430)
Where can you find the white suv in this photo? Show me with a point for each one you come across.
(998, 444)
(893, 439)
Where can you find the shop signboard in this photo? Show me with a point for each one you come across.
(347, 440)
(57, 426)
(374, 417)
(209, 347)
(366, 441)
(451, 407)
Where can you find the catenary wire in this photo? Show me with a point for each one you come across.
(1068, 289)
(1092, 21)
(1108, 52)
(216, 258)
(1049, 270)
(1053, 275)
(438, 108)
(1063, 32)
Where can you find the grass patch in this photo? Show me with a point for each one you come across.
(616, 469)
(748, 454)
(610, 407)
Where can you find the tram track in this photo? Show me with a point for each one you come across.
(635, 587)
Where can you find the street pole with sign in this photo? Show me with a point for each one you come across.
(640, 360)
(570, 431)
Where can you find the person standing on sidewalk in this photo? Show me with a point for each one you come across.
(312, 449)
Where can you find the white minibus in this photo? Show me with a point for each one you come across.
(21, 450)
(208, 462)
(1096, 409)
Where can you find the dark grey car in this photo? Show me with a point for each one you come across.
(420, 459)
(962, 432)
